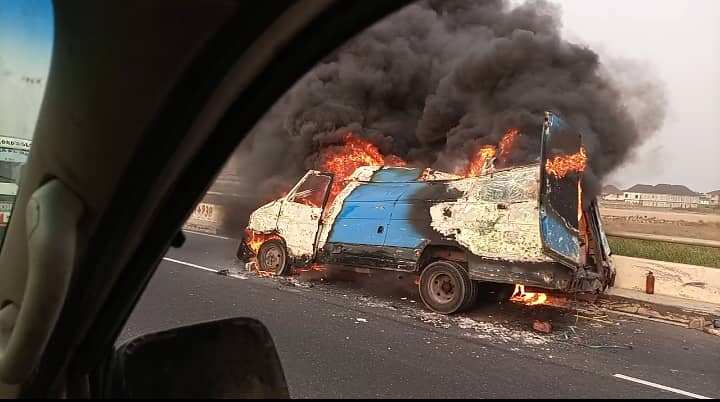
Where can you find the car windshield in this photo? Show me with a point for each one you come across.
(427, 212)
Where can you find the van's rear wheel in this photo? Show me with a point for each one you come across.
(446, 288)
(272, 257)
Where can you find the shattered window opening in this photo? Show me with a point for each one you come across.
(311, 191)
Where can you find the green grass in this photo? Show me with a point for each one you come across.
(657, 250)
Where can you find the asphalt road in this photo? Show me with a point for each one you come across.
(372, 338)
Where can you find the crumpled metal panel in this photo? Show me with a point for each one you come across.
(298, 229)
(497, 217)
(264, 219)
(559, 237)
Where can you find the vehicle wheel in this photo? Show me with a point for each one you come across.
(446, 288)
(495, 292)
(272, 257)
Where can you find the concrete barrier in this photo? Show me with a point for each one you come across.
(206, 218)
(685, 281)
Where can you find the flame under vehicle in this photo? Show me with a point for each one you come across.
(529, 225)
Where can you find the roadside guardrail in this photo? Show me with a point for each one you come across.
(668, 239)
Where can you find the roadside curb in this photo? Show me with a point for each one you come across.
(679, 316)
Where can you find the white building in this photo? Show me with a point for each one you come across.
(661, 196)
(612, 193)
(712, 198)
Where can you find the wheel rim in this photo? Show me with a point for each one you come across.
(273, 258)
(442, 288)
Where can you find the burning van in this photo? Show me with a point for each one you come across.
(529, 225)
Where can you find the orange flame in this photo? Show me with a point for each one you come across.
(580, 210)
(528, 298)
(560, 166)
(261, 273)
(344, 159)
(311, 268)
(256, 239)
(480, 162)
(506, 143)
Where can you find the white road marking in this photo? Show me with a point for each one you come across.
(208, 235)
(190, 265)
(652, 384)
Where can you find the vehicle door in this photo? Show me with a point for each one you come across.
(605, 267)
(299, 219)
(562, 164)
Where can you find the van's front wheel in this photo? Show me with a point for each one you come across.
(273, 257)
(446, 288)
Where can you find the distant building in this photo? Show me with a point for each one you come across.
(612, 193)
(712, 198)
(661, 196)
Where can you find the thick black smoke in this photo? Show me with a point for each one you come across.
(440, 78)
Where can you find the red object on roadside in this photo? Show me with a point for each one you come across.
(542, 326)
(650, 283)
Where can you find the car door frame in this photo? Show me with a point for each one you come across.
(303, 256)
(552, 221)
(254, 73)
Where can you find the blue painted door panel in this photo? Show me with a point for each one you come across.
(365, 210)
(396, 175)
(410, 215)
(559, 221)
(558, 237)
(403, 233)
(411, 210)
(358, 231)
(364, 215)
(375, 192)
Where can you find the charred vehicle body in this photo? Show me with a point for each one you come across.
(530, 225)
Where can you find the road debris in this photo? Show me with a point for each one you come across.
(542, 326)
(697, 323)
(595, 319)
(497, 332)
(251, 266)
(361, 320)
(712, 331)
(627, 347)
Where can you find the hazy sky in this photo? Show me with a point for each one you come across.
(680, 41)
(26, 37)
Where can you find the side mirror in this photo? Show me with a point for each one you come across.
(232, 358)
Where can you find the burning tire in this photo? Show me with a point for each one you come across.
(273, 257)
(446, 288)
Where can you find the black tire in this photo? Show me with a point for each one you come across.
(446, 288)
(273, 257)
